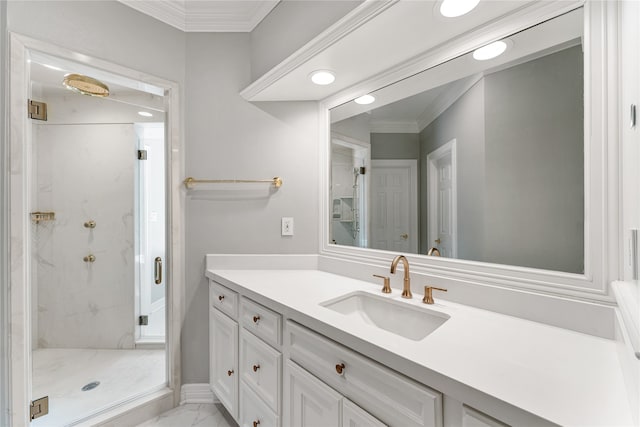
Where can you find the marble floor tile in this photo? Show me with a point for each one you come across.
(193, 415)
(62, 373)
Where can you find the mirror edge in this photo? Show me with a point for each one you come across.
(602, 243)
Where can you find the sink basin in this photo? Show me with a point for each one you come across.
(398, 317)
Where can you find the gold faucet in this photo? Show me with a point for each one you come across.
(406, 289)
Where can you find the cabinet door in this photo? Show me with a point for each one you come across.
(223, 359)
(308, 401)
(355, 416)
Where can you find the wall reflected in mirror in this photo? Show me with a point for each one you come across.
(481, 159)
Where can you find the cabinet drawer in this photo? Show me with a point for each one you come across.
(260, 369)
(394, 399)
(254, 413)
(224, 299)
(261, 321)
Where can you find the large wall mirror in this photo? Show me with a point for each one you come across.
(475, 159)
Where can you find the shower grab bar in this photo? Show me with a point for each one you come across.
(190, 182)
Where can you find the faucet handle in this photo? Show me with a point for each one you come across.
(428, 294)
(386, 288)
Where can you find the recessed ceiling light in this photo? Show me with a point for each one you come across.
(365, 99)
(145, 114)
(455, 8)
(490, 51)
(322, 77)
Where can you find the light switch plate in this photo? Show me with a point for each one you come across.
(287, 226)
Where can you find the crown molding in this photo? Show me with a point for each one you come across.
(205, 16)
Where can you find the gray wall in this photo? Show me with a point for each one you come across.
(534, 142)
(303, 20)
(470, 141)
(4, 229)
(139, 41)
(229, 137)
(395, 146)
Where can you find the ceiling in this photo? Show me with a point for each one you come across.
(206, 15)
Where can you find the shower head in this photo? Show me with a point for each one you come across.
(85, 85)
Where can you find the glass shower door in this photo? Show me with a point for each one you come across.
(151, 233)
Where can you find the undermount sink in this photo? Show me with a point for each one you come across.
(398, 317)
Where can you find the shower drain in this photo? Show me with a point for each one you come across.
(91, 386)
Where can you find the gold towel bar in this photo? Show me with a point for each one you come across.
(190, 181)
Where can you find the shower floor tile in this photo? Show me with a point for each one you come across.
(61, 374)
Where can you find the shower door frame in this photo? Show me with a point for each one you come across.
(20, 195)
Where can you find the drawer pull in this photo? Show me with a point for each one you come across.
(220, 298)
(340, 368)
(255, 368)
(256, 423)
(229, 373)
(256, 319)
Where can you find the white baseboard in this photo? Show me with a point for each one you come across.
(197, 393)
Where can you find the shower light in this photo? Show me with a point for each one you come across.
(322, 77)
(145, 114)
(365, 99)
(85, 85)
(455, 8)
(490, 51)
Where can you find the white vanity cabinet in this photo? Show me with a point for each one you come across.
(245, 357)
(269, 370)
(223, 347)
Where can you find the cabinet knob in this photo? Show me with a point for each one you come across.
(256, 423)
(256, 319)
(340, 368)
(255, 368)
(230, 372)
(220, 297)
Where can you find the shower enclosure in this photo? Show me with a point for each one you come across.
(97, 239)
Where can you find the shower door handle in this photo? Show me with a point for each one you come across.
(158, 270)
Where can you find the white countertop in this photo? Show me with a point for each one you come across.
(565, 377)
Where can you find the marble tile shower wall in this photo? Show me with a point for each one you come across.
(84, 172)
